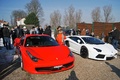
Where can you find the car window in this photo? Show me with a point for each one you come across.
(40, 41)
(76, 39)
(92, 40)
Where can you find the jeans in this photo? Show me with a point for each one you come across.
(7, 43)
(115, 43)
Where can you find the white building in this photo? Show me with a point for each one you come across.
(21, 22)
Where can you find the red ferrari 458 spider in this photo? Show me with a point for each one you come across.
(41, 54)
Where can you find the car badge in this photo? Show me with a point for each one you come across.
(56, 58)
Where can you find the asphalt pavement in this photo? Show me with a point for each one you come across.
(6, 56)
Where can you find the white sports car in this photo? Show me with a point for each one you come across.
(91, 47)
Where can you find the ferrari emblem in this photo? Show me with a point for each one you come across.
(56, 58)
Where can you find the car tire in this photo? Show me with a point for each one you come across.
(84, 52)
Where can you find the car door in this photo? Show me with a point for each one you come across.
(75, 44)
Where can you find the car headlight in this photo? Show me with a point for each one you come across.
(32, 57)
(98, 50)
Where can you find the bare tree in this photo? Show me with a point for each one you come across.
(78, 16)
(55, 18)
(17, 14)
(107, 13)
(12, 20)
(96, 15)
(69, 17)
(35, 6)
(65, 19)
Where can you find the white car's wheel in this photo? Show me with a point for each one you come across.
(84, 52)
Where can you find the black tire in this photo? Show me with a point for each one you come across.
(84, 52)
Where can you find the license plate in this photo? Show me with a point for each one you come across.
(58, 66)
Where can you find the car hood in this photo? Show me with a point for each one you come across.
(106, 48)
(49, 53)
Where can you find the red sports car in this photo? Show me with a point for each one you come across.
(41, 54)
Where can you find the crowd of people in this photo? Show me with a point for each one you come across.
(59, 34)
(6, 33)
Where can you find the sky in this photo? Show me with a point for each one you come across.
(49, 6)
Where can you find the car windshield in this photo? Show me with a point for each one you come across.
(92, 40)
(40, 41)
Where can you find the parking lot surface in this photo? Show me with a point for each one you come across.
(84, 69)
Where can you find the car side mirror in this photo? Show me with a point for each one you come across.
(78, 41)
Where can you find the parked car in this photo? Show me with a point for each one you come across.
(41, 54)
(91, 47)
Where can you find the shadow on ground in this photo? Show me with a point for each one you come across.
(8, 63)
(6, 69)
(114, 69)
(72, 76)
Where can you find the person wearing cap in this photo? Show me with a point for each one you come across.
(25, 31)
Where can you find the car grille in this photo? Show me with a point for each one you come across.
(44, 69)
(100, 56)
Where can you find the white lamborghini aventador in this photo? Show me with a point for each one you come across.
(91, 47)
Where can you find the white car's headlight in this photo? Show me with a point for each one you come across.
(98, 50)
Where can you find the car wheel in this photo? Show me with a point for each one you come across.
(67, 43)
(84, 52)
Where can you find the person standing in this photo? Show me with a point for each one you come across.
(92, 34)
(56, 31)
(48, 30)
(25, 31)
(40, 30)
(115, 37)
(1, 31)
(102, 36)
(6, 35)
(13, 35)
(18, 31)
(33, 31)
(110, 36)
(60, 37)
(83, 32)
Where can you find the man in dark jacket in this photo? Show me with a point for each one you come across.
(115, 37)
(6, 35)
(40, 30)
(48, 30)
(19, 32)
(1, 33)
